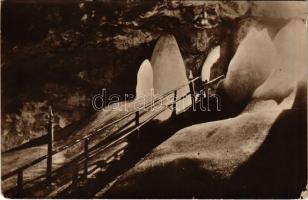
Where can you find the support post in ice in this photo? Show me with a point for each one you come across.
(192, 90)
(137, 121)
(174, 104)
(20, 184)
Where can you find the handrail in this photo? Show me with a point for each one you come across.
(148, 104)
(99, 129)
(94, 151)
(94, 132)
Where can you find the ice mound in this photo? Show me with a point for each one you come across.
(204, 152)
(260, 105)
(291, 63)
(169, 72)
(211, 59)
(144, 80)
(250, 66)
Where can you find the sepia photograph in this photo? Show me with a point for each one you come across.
(147, 99)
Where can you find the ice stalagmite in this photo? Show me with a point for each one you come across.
(250, 66)
(291, 64)
(211, 59)
(168, 65)
(169, 71)
(144, 80)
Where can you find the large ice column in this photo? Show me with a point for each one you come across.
(168, 65)
(210, 60)
(291, 63)
(144, 80)
(169, 71)
(250, 66)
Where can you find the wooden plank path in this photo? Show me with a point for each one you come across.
(67, 166)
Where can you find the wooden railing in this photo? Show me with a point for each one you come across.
(105, 143)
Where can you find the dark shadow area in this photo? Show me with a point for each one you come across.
(279, 168)
(180, 179)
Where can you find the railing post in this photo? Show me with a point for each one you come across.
(86, 156)
(192, 93)
(174, 103)
(137, 137)
(50, 146)
(137, 120)
(20, 184)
